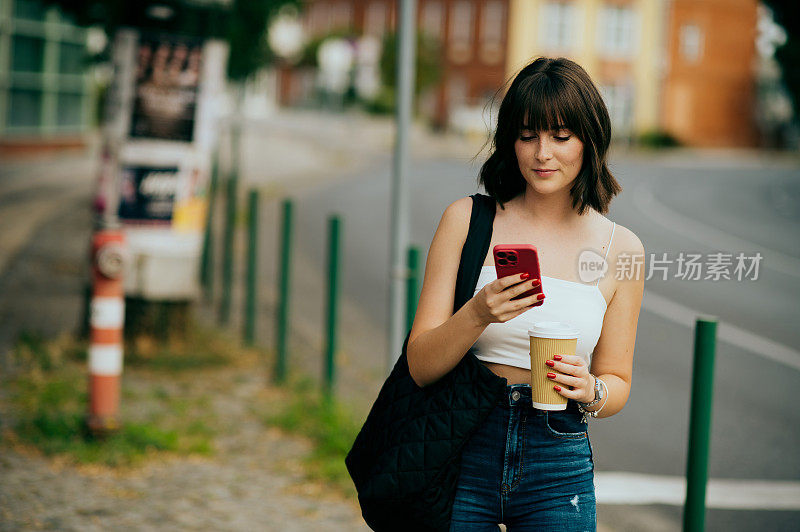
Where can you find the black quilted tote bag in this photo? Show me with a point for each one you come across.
(405, 461)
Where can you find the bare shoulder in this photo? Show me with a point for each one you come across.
(626, 241)
(455, 219)
(626, 262)
(459, 211)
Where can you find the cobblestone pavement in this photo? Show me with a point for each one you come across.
(254, 481)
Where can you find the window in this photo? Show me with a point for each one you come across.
(619, 100)
(560, 26)
(25, 108)
(29, 9)
(375, 19)
(691, 42)
(492, 24)
(71, 58)
(461, 31)
(27, 54)
(432, 20)
(70, 110)
(617, 31)
(341, 16)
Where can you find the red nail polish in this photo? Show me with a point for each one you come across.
(540, 297)
(525, 275)
(557, 388)
(556, 357)
(551, 375)
(550, 363)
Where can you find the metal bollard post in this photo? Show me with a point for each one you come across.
(107, 319)
(228, 246)
(700, 424)
(284, 268)
(207, 260)
(334, 224)
(412, 286)
(251, 292)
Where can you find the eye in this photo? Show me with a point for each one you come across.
(562, 134)
(526, 135)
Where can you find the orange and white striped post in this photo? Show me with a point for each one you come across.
(106, 326)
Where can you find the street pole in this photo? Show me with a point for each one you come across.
(406, 53)
(705, 336)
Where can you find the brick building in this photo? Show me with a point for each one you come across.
(709, 88)
(685, 67)
(472, 35)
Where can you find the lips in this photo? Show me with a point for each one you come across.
(543, 172)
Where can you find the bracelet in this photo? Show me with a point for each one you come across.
(594, 413)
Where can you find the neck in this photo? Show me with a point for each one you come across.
(549, 210)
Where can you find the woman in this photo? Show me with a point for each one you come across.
(526, 468)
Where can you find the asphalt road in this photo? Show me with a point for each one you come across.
(676, 203)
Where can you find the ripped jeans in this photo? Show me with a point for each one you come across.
(528, 469)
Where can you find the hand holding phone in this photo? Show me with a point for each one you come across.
(513, 259)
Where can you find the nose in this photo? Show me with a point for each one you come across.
(544, 151)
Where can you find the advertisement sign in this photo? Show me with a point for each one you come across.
(147, 194)
(167, 77)
(161, 127)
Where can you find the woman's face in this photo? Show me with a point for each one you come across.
(549, 160)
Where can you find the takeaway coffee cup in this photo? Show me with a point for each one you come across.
(549, 338)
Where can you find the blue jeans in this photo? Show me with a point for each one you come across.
(528, 469)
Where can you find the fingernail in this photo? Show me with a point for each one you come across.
(556, 357)
(525, 276)
(535, 283)
(540, 297)
(550, 363)
(551, 375)
(557, 388)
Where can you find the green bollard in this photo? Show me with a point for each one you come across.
(694, 511)
(207, 259)
(284, 269)
(228, 247)
(251, 292)
(333, 296)
(412, 286)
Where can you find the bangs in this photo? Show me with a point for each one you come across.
(545, 104)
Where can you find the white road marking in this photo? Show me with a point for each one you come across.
(758, 345)
(729, 494)
(709, 236)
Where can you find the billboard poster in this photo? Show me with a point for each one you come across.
(147, 194)
(167, 78)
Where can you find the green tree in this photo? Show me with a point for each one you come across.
(243, 23)
(428, 66)
(787, 14)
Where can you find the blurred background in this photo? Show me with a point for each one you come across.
(201, 189)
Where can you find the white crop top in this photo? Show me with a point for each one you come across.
(580, 305)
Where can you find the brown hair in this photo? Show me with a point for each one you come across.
(545, 95)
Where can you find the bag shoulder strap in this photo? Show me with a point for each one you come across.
(475, 248)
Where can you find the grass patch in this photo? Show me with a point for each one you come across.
(46, 398)
(327, 423)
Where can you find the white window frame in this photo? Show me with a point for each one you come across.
(492, 21)
(560, 26)
(432, 20)
(462, 20)
(619, 100)
(692, 42)
(375, 18)
(618, 31)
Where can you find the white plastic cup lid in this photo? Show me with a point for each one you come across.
(553, 329)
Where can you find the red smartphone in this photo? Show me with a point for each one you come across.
(512, 259)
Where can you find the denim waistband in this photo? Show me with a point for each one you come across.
(519, 396)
